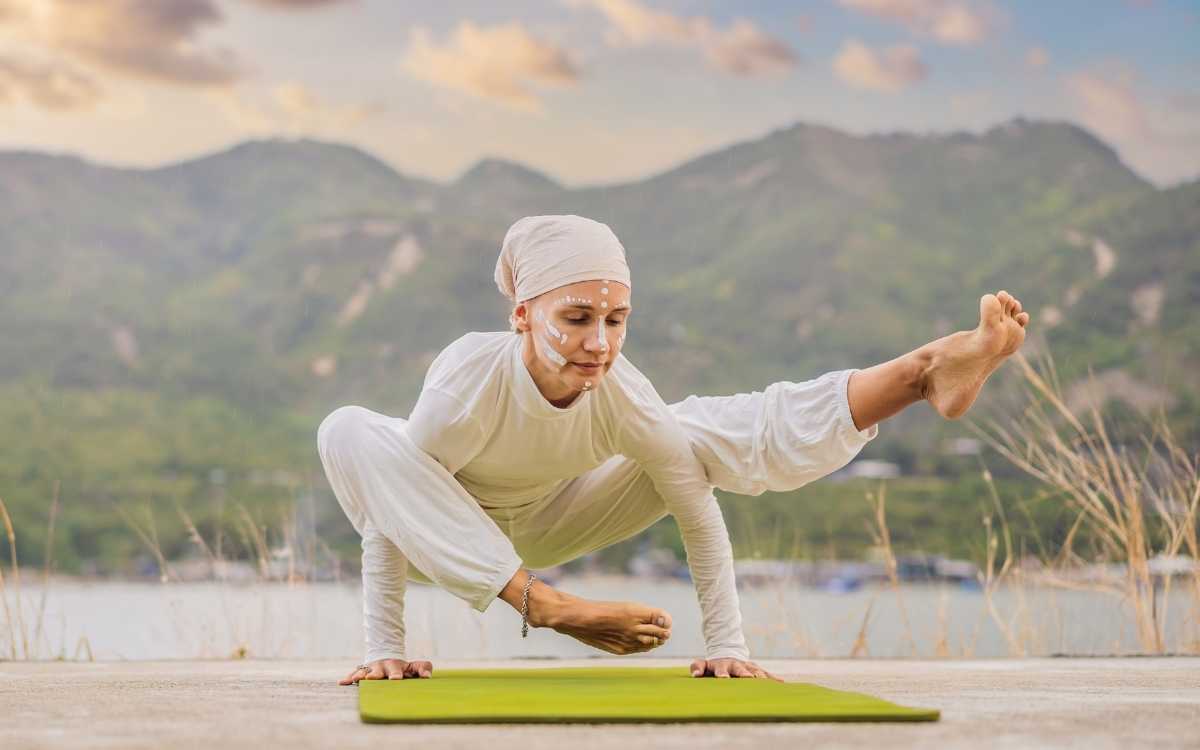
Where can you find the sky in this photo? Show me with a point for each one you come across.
(587, 91)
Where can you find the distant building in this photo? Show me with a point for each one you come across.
(870, 469)
(963, 446)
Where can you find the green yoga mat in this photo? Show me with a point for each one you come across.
(612, 695)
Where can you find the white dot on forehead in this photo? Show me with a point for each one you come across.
(604, 290)
(603, 303)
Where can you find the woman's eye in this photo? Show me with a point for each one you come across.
(616, 322)
(576, 320)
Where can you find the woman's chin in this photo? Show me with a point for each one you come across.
(582, 378)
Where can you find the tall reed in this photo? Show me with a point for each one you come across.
(29, 640)
(1136, 502)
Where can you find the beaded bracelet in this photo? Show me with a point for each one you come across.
(525, 606)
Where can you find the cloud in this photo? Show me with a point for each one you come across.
(949, 21)
(1110, 104)
(297, 4)
(1037, 58)
(52, 86)
(303, 108)
(10, 11)
(637, 24)
(152, 39)
(889, 69)
(494, 62)
(291, 108)
(1158, 136)
(742, 49)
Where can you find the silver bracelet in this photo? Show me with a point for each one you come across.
(525, 606)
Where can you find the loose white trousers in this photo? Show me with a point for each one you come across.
(418, 522)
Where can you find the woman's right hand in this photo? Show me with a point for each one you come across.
(388, 669)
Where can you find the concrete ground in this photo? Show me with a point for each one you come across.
(1092, 703)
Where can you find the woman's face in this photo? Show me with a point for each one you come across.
(573, 335)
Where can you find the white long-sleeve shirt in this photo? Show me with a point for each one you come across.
(481, 416)
(484, 450)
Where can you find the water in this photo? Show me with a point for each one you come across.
(316, 621)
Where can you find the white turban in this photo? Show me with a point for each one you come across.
(541, 253)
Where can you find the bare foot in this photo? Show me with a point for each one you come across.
(959, 364)
(615, 627)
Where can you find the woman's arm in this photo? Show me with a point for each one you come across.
(441, 427)
(384, 577)
(650, 435)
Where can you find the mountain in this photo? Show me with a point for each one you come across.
(156, 323)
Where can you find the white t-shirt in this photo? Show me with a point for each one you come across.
(482, 417)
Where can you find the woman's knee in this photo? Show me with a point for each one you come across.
(343, 427)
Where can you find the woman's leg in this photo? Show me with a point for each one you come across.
(388, 487)
(777, 439)
(606, 505)
(948, 372)
(415, 519)
(790, 434)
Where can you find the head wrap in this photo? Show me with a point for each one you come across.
(541, 253)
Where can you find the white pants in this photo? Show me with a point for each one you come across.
(418, 522)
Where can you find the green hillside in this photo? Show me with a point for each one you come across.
(157, 324)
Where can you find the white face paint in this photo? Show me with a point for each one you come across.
(601, 333)
(552, 353)
(569, 300)
(552, 330)
(551, 337)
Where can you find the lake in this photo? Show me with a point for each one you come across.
(323, 620)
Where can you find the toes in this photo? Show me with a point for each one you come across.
(660, 633)
(1023, 319)
(990, 309)
(650, 641)
(698, 667)
(1006, 301)
(658, 617)
(1016, 307)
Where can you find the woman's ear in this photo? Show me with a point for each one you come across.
(520, 318)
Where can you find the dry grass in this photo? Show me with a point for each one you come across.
(883, 541)
(281, 552)
(29, 640)
(1134, 501)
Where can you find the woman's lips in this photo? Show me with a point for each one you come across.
(593, 367)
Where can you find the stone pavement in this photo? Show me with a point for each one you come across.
(1010, 703)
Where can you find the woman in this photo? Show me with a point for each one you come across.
(529, 450)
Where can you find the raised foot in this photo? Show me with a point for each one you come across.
(615, 627)
(960, 363)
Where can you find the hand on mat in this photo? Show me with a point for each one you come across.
(729, 667)
(388, 669)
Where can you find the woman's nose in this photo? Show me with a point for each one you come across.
(595, 342)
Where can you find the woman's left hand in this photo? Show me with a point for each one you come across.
(729, 667)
